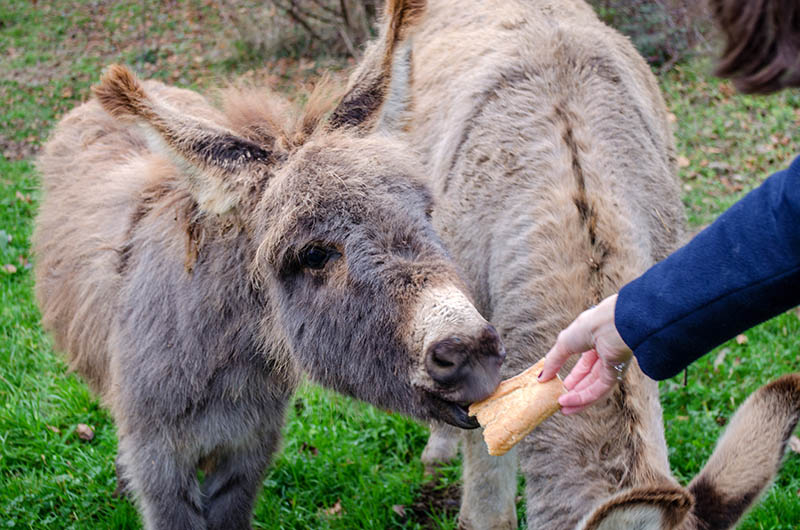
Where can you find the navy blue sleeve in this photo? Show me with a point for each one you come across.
(741, 270)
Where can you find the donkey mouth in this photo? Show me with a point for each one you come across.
(464, 420)
(456, 414)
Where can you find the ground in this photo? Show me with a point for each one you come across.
(344, 464)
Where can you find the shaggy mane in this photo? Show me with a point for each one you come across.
(269, 119)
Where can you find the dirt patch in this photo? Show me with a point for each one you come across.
(434, 502)
(18, 149)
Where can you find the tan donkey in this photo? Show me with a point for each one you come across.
(551, 159)
(191, 260)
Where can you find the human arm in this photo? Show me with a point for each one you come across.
(741, 270)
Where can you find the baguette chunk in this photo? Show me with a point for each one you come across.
(517, 406)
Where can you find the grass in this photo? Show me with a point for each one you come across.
(344, 464)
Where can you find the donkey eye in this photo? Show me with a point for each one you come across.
(315, 257)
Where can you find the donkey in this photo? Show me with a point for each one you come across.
(548, 149)
(191, 261)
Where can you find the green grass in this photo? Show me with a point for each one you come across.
(335, 450)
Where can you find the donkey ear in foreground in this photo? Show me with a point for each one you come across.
(377, 96)
(653, 508)
(221, 168)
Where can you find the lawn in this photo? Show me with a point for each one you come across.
(344, 464)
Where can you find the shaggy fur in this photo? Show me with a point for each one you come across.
(762, 43)
(547, 145)
(191, 261)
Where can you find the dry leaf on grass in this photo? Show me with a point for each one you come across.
(721, 357)
(336, 509)
(741, 339)
(307, 447)
(84, 432)
(9, 268)
(683, 161)
(399, 509)
(794, 444)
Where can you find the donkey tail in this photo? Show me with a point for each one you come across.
(747, 456)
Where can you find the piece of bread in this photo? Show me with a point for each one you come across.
(517, 406)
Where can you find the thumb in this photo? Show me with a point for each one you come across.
(577, 338)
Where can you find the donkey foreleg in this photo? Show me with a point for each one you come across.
(231, 487)
(490, 486)
(164, 484)
(442, 446)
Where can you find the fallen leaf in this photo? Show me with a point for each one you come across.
(84, 432)
(9, 268)
(683, 161)
(794, 444)
(23, 198)
(719, 165)
(310, 448)
(730, 186)
(726, 89)
(720, 358)
(336, 509)
(741, 339)
(399, 509)
(54, 429)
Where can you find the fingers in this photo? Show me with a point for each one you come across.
(553, 361)
(577, 400)
(581, 369)
(577, 338)
(600, 380)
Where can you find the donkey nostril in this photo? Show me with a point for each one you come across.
(445, 359)
(441, 361)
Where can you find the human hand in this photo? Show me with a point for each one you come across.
(604, 359)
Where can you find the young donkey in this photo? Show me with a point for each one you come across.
(191, 260)
(551, 158)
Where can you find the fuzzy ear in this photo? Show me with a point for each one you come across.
(654, 508)
(378, 92)
(748, 455)
(221, 167)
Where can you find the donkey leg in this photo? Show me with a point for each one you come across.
(231, 488)
(442, 446)
(123, 489)
(490, 486)
(164, 484)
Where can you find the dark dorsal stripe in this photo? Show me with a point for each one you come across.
(358, 106)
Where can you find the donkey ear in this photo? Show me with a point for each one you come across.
(654, 508)
(221, 168)
(378, 92)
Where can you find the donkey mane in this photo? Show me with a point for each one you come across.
(267, 118)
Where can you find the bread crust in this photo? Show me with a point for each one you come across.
(517, 406)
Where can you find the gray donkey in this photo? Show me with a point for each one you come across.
(191, 261)
(549, 152)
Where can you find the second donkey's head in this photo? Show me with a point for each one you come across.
(352, 271)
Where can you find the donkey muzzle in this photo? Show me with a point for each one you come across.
(466, 368)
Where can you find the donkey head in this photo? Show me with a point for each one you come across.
(354, 274)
